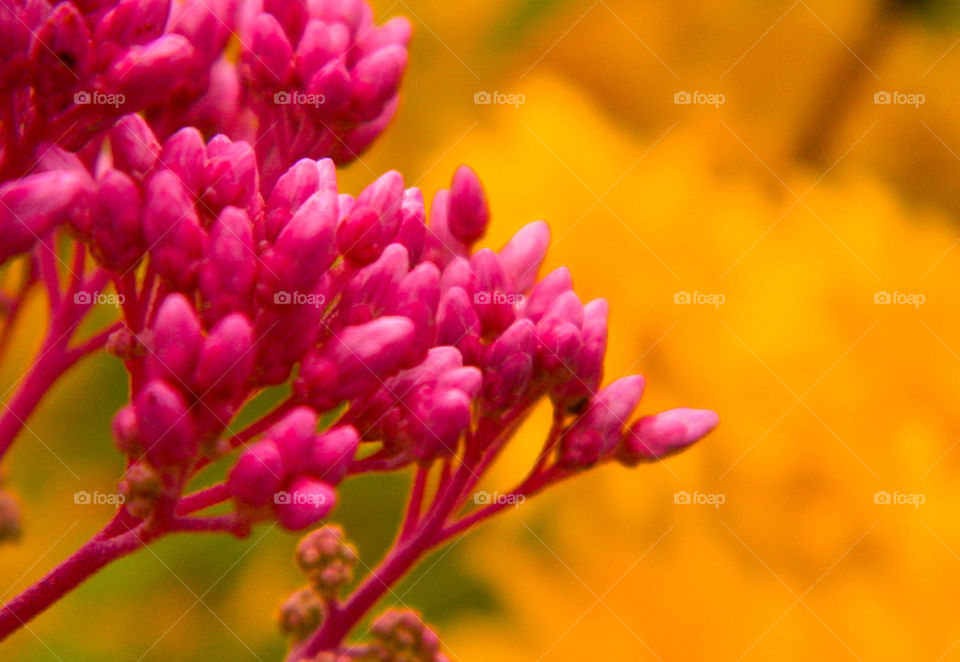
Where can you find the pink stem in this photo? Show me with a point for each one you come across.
(416, 501)
(201, 499)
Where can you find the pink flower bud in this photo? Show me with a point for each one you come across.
(375, 80)
(447, 415)
(166, 429)
(60, 54)
(133, 22)
(294, 435)
(546, 292)
(177, 341)
(660, 435)
(306, 502)
(271, 57)
(458, 324)
(291, 190)
(305, 247)
(332, 82)
(371, 291)
(185, 154)
(226, 360)
(509, 365)
(31, 206)
(560, 348)
(315, 48)
(230, 175)
(358, 358)
(333, 452)
(412, 230)
(257, 475)
(125, 432)
(134, 147)
(468, 213)
(146, 73)
(228, 272)
(467, 379)
(116, 222)
(206, 23)
(590, 364)
(384, 196)
(524, 253)
(494, 299)
(396, 31)
(360, 236)
(596, 433)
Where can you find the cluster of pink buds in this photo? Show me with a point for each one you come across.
(206, 202)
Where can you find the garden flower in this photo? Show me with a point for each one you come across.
(239, 266)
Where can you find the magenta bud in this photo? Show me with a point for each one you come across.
(332, 83)
(134, 147)
(509, 364)
(230, 174)
(412, 230)
(185, 154)
(133, 22)
(395, 32)
(315, 49)
(31, 206)
(544, 293)
(347, 12)
(375, 80)
(494, 299)
(228, 272)
(271, 57)
(206, 23)
(360, 236)
(226, 361)
(145, 73)
(373, 289)
(291, 190)
(305, 247)
(115, 222)
(385, 196)
(166, 430)
(467, 213)
(524, 253)
(177, 341)
(596, 433)
(294, 435)
(257, 475)
(560, 348)
(333, 452)
(590, 365)
(60, 52)
(457, 322)
(445, 416)
(306, 502)
(467, 379)
(125, 432)
(660, 435)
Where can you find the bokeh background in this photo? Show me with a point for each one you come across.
(801, 201)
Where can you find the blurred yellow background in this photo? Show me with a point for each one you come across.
(802, 201)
